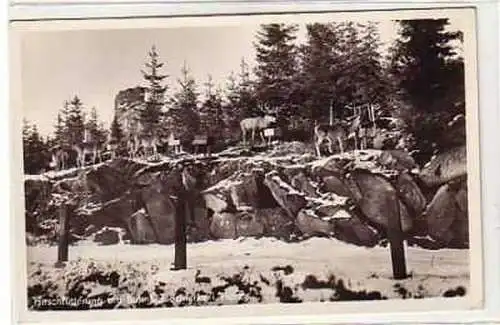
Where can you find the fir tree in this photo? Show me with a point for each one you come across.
(429, 73)
(95, 127)
(116, 131)
(319, 58)
(152, 113)
(276, 64)
(60, 130)
(75, 123)
(35, 150)
(183, 116)
(211, 115)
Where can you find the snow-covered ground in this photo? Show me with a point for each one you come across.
(432, 272)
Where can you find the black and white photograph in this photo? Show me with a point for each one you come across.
(254, 160)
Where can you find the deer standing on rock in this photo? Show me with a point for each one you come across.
(60, 157)
(88, 146)
(256, 124)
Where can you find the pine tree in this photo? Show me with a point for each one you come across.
(426, 69)
(319, 58)
(116, 131)
(246, 90)
(95, 127)
(35, 150)
(75, 123)
(211, 115)
(183, 116)
(152, 113)
(421, 58)
(60, 130)
(276, 64)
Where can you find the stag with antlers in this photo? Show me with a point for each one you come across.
(257, 124)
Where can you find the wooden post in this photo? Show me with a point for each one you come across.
(62, 249)
(331, 113)
(396, 242)
(180, 255)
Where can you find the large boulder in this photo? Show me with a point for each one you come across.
(445, 167)
(160, 207)
(223, 225)
(248, 224)
(379, 201)
(140, 227)
(311, 224)
(397, 160)
(304, 184)
(335, 185)
(108, 236)
(218, 197)
(291, 200)
(244, 192)
(277, 222)
(351, 229)
(441, 213)
(115, 213)
(410, 194)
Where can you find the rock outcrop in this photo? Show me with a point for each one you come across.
(354, 197)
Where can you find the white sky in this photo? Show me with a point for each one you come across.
(96, 64)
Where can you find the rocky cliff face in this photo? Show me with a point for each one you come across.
(292, 197)
(127, 104)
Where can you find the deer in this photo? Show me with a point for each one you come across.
(256, 124)
(174, 143)
(60, 157)
(148, 142)
(86, 147)
(330, 133)
(112, 147)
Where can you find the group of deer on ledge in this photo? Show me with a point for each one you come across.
(140, 145)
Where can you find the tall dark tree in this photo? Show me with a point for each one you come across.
(182, 116)
(429, 74)
(211, 115)
(59, 130)
(75, 123)
(116, 131)
(276, 65)
(318, 60)
(35, 150)
(373, 82)
(95, 127)
(152, 113)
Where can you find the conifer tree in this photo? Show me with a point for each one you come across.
(60, 130)
(75, 123)
(151, 115)
(276, 64)
(183, 113)
(116, 131)
(95, 127)
(211, 115)
(429, 75)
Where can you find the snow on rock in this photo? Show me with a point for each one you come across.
(445, 167)
(311, 224)
(109, 236)
(287, 197)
